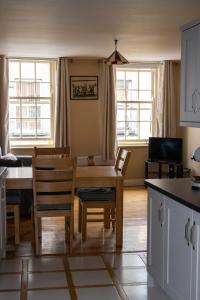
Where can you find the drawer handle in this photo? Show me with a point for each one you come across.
(187, 225)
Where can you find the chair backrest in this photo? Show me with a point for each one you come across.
(121, 163)
(54, 180)
(59, 151)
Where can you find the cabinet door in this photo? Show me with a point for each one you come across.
(178, 258)
(156, 211)
(195, 243)
(190, 85)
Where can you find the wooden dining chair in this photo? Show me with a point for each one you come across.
(53, 187)
(101, 198)
(58, 151)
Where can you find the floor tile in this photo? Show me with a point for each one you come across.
(10, 296)
(124, 260)
(143, 292)
(45, 280)
(46, 264)
(86, 262)
(97, 293)
(82, 278)
(11, 265)
(10, 282)
(49, 295)
(131, 275)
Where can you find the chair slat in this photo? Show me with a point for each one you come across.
(52, 163)
(50, 187)
(43, 175)
(54, 199)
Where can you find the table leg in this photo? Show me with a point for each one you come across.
(119, 213)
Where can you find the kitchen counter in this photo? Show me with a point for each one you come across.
(178, 189)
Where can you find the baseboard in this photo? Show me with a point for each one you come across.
(134, 182)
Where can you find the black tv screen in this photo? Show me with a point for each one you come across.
(165, 149)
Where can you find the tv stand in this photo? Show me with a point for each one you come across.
(175, 169)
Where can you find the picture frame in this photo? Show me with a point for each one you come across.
(84, 87)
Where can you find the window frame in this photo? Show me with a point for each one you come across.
(18, 142)
(137, 67)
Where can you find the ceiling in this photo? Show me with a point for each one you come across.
(146, 29)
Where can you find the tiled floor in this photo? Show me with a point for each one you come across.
(107, 276)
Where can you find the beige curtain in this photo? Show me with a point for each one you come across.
(4, 118)
(108, 112)
(165, 124)
(62, 115)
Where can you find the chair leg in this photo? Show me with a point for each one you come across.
(106, 218)
(67, 230)
(33, 226)
(17, 224)
(39, 227)
(84, 222)
(113, 218)
(36, 236)
(79, 216)
(71, 234)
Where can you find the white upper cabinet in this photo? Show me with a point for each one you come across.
(190, 76)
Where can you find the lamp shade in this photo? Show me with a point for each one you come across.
(116, 58)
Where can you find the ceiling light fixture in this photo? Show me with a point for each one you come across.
(116, 58)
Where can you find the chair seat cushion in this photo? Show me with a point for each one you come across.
(13, 197)
(95, 194)
(64, 206)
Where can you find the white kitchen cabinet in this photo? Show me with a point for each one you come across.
(2, 218)
(178, 256)
(155, 262)
(190, 75)
(195, 241)
(173, 246)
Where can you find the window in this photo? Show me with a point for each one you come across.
(31, 100)
(134, 95)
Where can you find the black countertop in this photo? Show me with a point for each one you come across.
(179, 189)
(3, 171)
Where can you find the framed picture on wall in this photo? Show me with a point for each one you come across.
(84, 87)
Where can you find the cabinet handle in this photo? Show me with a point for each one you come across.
(192, 239)
(2, 193)
(187, 225)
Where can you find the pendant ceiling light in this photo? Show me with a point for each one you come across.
(116, 58)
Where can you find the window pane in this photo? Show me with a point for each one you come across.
(145, 80)
(14, 89)
(120, 112)
(145, 96)
(145, 130)
(14, 109)
(27, 71)
(132, 113)
(43, 72)
(28, 127)
(27, 89)
(44, 90)
(132, 80)
(43, 127)
(121, 130)
(132, 95)
(121, 95)
(146, 112)
(132, 130)
(15, 128)
(43, 108)
(13, 71)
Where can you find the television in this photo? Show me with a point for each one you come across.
(165, 149)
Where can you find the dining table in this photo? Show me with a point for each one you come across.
(86, 177)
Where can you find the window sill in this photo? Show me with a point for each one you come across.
(132, 144)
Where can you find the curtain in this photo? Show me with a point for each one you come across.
(165, 106)
(62, 115)
(4, 117)
(108, 112)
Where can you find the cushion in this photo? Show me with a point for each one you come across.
(9, 156)
(95, 194)
(66, 206)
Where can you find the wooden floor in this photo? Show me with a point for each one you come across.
(98, 240)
